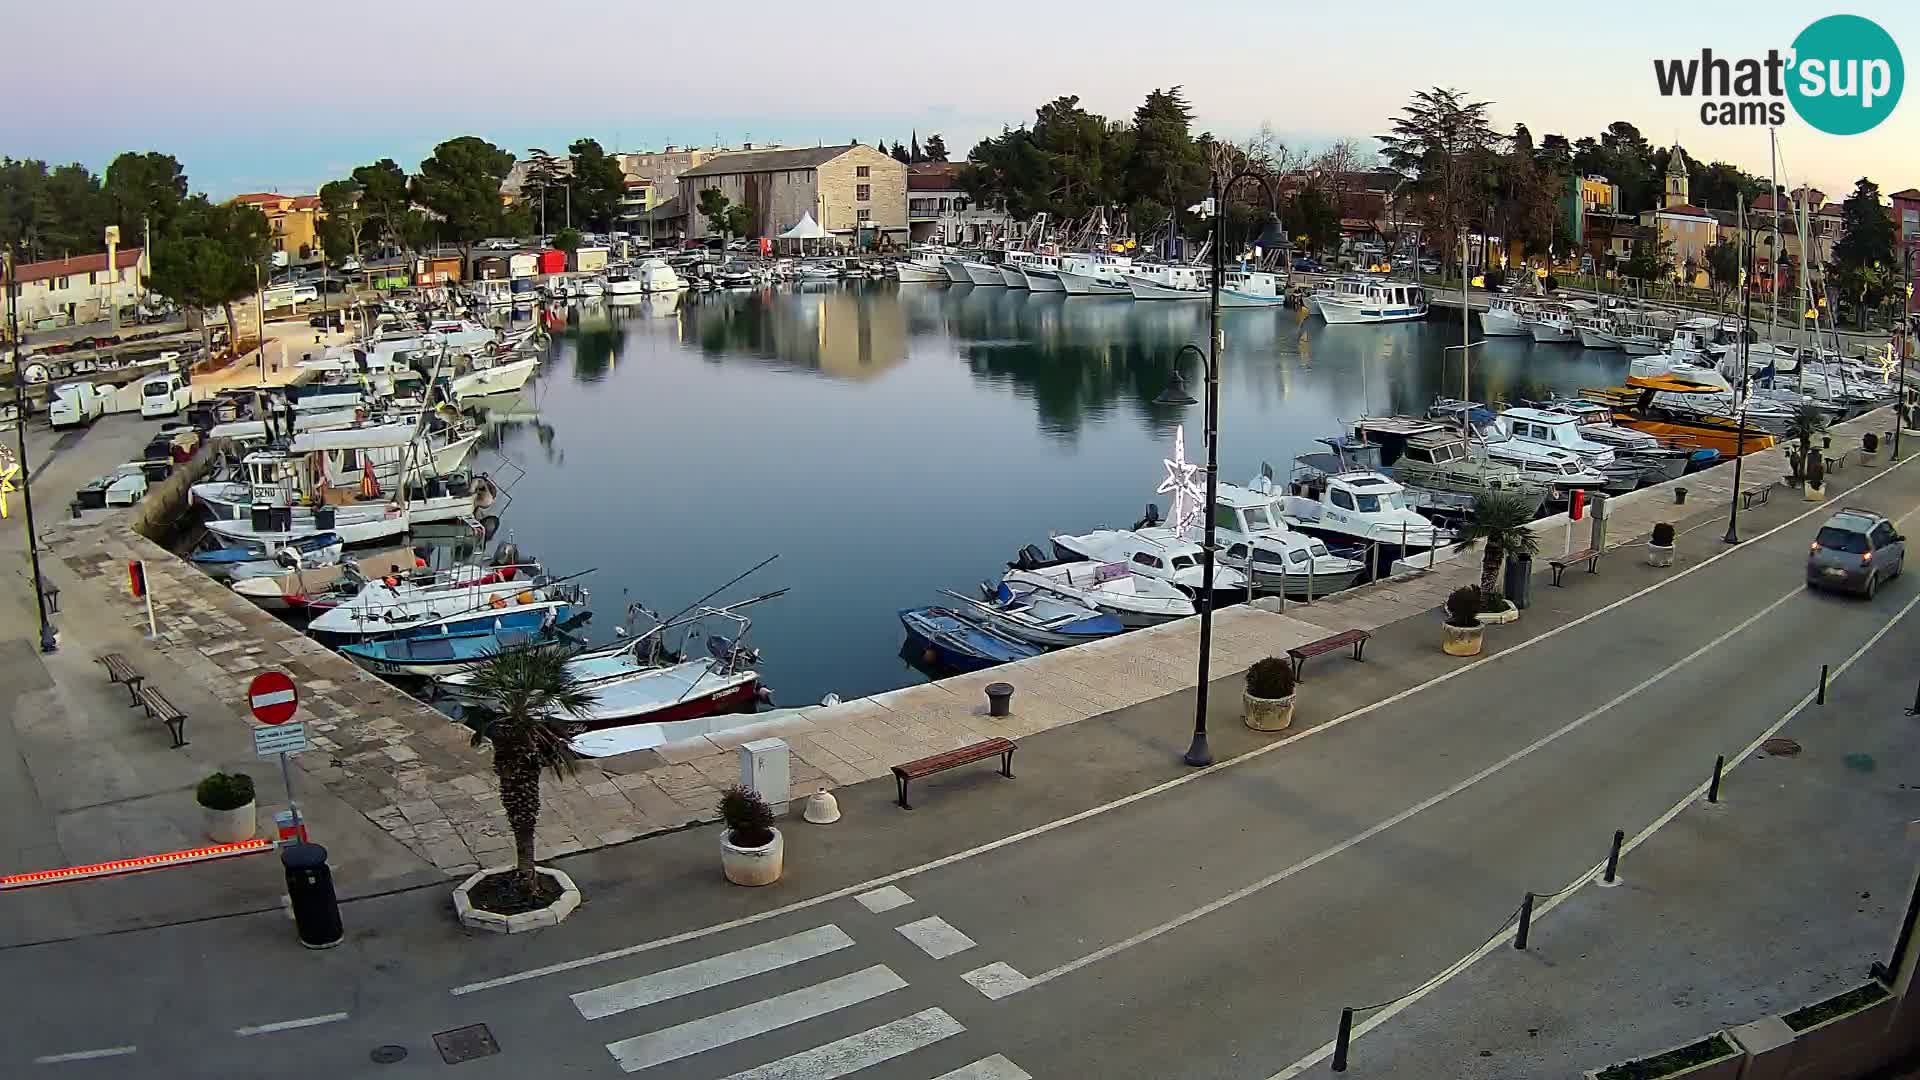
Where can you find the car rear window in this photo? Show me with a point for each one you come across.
(1852, 543)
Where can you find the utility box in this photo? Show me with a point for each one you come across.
(589, 260)
(1600, 507)
(763, 767)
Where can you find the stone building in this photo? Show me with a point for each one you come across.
(855, 192)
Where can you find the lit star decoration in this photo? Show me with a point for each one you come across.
(1185, 507)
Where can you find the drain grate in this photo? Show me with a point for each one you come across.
(465, 1044)
(1780, 746)
(388, 1054)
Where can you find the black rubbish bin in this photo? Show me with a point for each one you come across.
(310, 887)
(1517, 586)
(262, 517)
(323, 518)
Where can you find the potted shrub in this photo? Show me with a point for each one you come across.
(1463, 630)
(1816, 481)
(1660, 546)
(228, 801)
(1269, 695)
(1805, 425)
(1499, 521)
(752, 851)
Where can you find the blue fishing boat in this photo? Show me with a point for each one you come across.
(953, 642)
(316, 549)
(431, 655)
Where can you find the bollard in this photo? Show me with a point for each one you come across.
(999, 699)
(1679, 496)
(1915, 711)
(1613, 858)
(1526, 922)
(316, 912)
(1713, 789)
(1340, 1041)
(1821, 698)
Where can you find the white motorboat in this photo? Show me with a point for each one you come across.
(1596, 330)
(588, 288)
(1165, 281)
(1560, 470)
(315, 587)
(1548, 428)
(1659, 461)
(956, 269)
(1162, 555)
(1382, 302)
(1038, 271)
(1643, 333)
(1094, 274)
(1035, 616)
(494, 375)
(1506, 316)
(388, 605)
(284, 525)
(1344, 287)
(1252, 289)
(1438, 466)
(1135, 599)
(983, 273)
(1275, 558)
(1552, 324)
(1010, 275)
(1330, 499)
(924, 266)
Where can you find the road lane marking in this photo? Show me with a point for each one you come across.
(85, 1055)
(936, 937)
(996, 980)
(996, 1067)
(758, 1018)
(714, 971)
(855, 1052)
(1187, 777)
(289, 1025)
(883, 900)
(1500, 941)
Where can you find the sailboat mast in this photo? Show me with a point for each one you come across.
(1773, 166)
(1466, 321)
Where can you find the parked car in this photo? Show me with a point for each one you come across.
(1855, 550)
(163, 395)
(75, 404)
(1306, 265)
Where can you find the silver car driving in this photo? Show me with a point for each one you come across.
(1855, 550)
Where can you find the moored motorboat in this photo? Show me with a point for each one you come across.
(948, 641)
(1036, 616)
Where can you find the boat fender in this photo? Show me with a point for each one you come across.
(764, 696)
(497, 602)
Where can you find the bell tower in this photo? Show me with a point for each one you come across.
(1676, 193)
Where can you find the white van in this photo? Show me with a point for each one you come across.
(74, 404)
(163, 395)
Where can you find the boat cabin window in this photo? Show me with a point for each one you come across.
(1317, 548)
(1296, 556)
(1371, 504)
(1257, 518)
(1342, 500)
(1237, 551)
(1262, 555)
(1184, 562)
(1225, 518)
(1145, 559)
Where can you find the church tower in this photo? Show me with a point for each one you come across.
(1676, 193)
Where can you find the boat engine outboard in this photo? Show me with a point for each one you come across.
(1030, 558)
(507, 554)
(1149, 519)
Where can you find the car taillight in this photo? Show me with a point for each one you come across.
(1867, 558)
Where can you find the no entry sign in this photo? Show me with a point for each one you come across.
(272, 697)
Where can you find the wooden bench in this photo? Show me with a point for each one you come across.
(159, 708)
(953, 759)
(1574, 558)
(1356, 638)
(119, 671)
(1836, 462)
(1752, 495)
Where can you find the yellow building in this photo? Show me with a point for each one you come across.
(292, 222)
(1688, 229)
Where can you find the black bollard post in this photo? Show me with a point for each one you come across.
(1822, 698)
(1526, 922)
(1340, 1041)
(1915, 711)
(1713, 789)
(1613, 857)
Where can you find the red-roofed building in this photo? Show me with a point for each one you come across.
(292, 221)
(77, 289)
(1906, 224)
(939, 210)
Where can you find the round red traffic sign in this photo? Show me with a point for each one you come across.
(272, 697)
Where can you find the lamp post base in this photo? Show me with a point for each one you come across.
(49, 639)
(1198, 755)
(1731, 537)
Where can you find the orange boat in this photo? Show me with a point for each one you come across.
(1633, 406)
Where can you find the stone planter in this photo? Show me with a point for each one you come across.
(1505, 615)
(551, 915)
(1659, 556)
(1267, 714)
(1462, 640)
(1851, 1043)
(753, 866)
(1724, 1066)
(231, 826)
(1814, 494)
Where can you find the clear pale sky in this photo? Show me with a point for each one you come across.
(255, 96)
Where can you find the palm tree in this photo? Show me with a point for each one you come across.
(531, 692)
(1499, 519)
(1806, 424)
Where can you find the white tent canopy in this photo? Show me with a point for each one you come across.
(808, 229)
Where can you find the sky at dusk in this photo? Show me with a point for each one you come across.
(253, 97)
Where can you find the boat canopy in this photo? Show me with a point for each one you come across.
(367, 438)
(1671, 385)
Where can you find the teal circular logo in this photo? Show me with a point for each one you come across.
(1846, 75)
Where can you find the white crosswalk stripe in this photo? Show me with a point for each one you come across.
(996, 1067)
(758, 1018)
(715, 971)
(936, 937)
(855, 1052)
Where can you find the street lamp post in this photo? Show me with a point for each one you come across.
(1905, 324)
(1741, 388)
(49, 641)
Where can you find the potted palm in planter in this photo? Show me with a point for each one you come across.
(1660, 546)
(1816, 481)
(227, 799)
(1805, 425)
(531, 693)
(1499, 521)
(1462, 628)
(752, 851)
(1269, 695)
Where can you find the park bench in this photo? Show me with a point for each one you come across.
(159, 708)
(1299, 654)
(953, 759)
(1590, 556)
(119, 671)
(1758, 494)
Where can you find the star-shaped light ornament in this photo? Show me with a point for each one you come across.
(1188, 497)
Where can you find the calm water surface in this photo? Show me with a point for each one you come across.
(888, 442)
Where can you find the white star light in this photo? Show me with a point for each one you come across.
(1188, 497)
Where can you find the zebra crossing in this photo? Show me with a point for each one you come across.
(910, 1030)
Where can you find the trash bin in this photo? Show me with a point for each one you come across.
(316, 914)
(323, 517)
(1517, 585)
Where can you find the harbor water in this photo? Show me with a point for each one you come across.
(888, 442)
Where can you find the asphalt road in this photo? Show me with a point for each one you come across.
(1212, 928)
